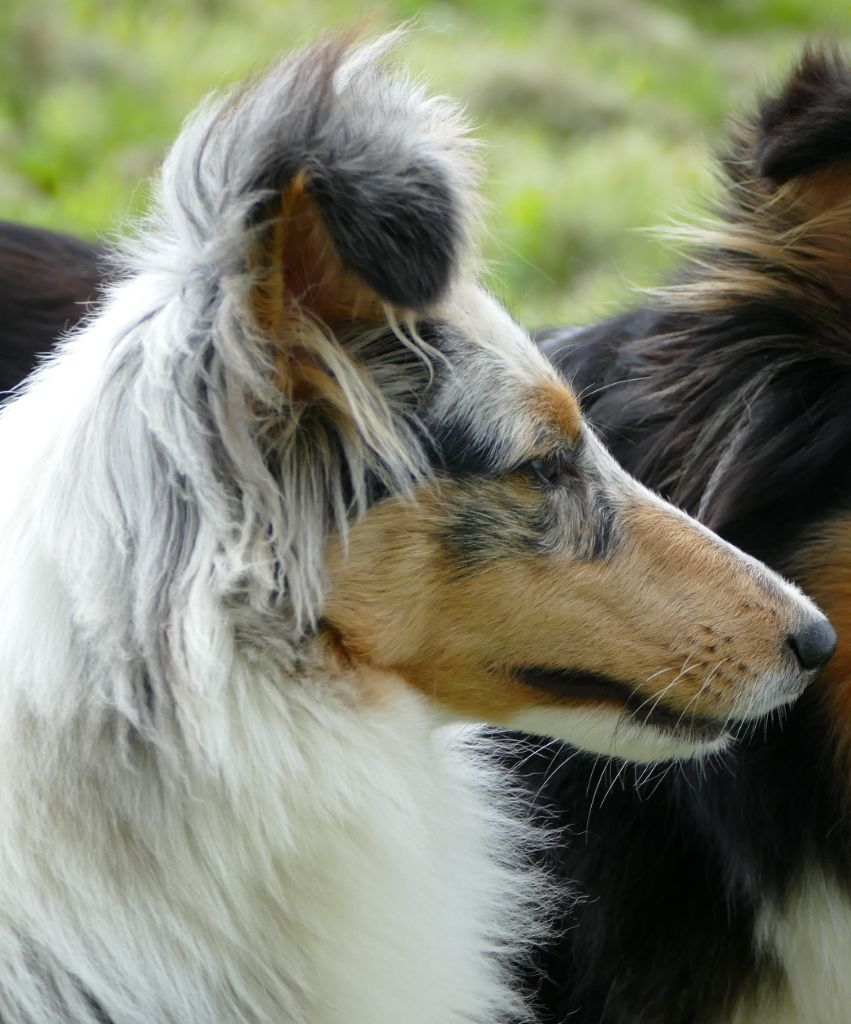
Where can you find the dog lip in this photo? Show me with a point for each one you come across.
(583, 685)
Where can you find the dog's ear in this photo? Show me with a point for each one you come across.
(790, 164)
(786, 207)
(365, 188)
(807, 127)
(333, 181)
(342, 247)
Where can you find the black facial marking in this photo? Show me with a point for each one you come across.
(557, 469)
(455, 449)
(489, 518)
(594, 686)
(486, 521)
(605, 535)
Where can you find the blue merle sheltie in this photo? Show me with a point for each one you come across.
(297, 492)
(720, 892)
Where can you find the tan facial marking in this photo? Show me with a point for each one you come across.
(555, 403)
(672, 614)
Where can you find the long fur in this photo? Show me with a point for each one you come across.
(721, 892)
(199, 826)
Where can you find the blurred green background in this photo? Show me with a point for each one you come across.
(600, 115)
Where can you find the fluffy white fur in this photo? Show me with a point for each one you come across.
(808, 937)
(200, 823)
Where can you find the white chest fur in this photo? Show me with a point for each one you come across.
(811, 939)
(360, 867)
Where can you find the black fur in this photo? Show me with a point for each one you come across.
(791, 459)
(402, 238)
(807, 127)
(585, 685)
(46, 280)
(677, 864)
(606, 536)
(454, 449)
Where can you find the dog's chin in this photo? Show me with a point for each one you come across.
(609, 731)
(608, 716)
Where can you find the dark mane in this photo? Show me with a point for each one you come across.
(730, 392)
(736, 380)
(46, 280)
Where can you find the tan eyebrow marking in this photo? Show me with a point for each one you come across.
(556, 403)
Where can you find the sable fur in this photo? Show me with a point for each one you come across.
(721, 893)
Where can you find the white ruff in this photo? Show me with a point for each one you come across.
(344, 866)
(203, 822)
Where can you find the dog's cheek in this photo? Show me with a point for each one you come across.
(385, 578)
(407, 595)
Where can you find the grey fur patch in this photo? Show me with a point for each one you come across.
(485, 522)
(488, 520)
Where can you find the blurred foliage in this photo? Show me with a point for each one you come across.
(599, 115)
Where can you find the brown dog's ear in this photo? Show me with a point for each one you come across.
(790, 163)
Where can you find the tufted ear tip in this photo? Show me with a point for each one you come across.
(332, 166)
(386, 174)
(806, 127)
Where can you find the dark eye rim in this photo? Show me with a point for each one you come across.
(557, 469)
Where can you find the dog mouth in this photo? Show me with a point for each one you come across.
(592, 688)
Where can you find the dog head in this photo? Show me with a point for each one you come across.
(765, 310)
(392, 467)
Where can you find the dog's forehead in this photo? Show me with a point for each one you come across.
(501, 392)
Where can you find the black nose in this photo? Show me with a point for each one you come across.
(813, 645)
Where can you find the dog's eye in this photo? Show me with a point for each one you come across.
(556, 470)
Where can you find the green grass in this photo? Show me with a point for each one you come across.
(599, 115)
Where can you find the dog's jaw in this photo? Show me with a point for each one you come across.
(613, 733)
